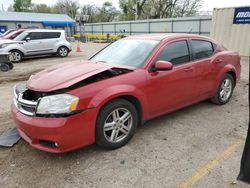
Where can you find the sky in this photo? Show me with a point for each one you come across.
(208, 5)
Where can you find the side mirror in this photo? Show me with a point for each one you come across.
(163, 66)
(27, 39)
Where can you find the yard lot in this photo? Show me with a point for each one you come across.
(200, 145)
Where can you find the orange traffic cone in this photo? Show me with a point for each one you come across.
(78, 49)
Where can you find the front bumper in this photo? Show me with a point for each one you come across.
(67, 133)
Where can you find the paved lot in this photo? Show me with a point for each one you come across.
(200, 145)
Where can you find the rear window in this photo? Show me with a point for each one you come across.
(201, 49)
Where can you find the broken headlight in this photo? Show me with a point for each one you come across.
(57, 104)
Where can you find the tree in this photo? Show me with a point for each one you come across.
(10, 8)
(142, 9)
(69, 7)
(90, 10)
(41, 8)
(132, 9)
(22, 5)
(188, 8)
(107, 12)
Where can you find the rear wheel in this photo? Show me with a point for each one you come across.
(225, 90)
(116, 124)
(63, 51)
(17, 56)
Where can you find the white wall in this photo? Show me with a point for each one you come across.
(235, 37)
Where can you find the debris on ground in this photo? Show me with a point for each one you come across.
(9, 138)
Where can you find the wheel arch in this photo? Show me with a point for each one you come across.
(133, 100)
(62, 46)
(233, 74)
(229, 69)
(16, 49)
(127, 92)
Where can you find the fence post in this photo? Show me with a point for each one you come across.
(115, 28)
(130, 28)
(172, 26)
(199, 26)
(102, 29)
(149, 27)
(92, 29)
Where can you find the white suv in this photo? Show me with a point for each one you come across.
(36, 42)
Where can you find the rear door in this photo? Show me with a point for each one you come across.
(202, 53)
(170, 90)
(49, 40)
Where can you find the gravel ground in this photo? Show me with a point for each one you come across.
(163, 153)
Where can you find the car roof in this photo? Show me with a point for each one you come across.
(163, 36)
(43, 30)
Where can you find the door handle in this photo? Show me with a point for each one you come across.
(189, 69)
(218, 60)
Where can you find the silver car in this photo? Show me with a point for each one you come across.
(37, 42)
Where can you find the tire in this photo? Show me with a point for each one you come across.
(11, 66)
(63, 51)
(225, 90)
(4, 67)
(17, 56)
(111, 131)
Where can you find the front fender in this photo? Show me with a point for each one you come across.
(15, 47)
(113, 92)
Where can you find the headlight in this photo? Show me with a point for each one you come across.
(57, 104)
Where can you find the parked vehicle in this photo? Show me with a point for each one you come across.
(37, 42)
(134, 79)
(5, 62)
(13, 34)
(7, 32)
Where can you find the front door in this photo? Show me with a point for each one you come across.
(172, 89)
(32, 43)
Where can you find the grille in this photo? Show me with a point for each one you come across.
(25, 105)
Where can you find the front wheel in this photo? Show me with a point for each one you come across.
(225, 90)
(17, 56)
(63, 51)
(116, 124)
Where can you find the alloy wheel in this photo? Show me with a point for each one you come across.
(226, 89)
(16, 56)
(118, 125)
(63, 52)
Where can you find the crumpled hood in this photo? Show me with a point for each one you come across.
(66, 74)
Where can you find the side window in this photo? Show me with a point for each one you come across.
(176, 53)
(51, 35)
(201, 49)
(55, 35)
(35, 36)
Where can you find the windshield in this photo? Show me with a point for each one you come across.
(126, 52)
(21, 36)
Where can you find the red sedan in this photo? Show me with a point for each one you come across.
(135, 79)
(13, 34)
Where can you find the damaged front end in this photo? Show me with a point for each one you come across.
(56, 103)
